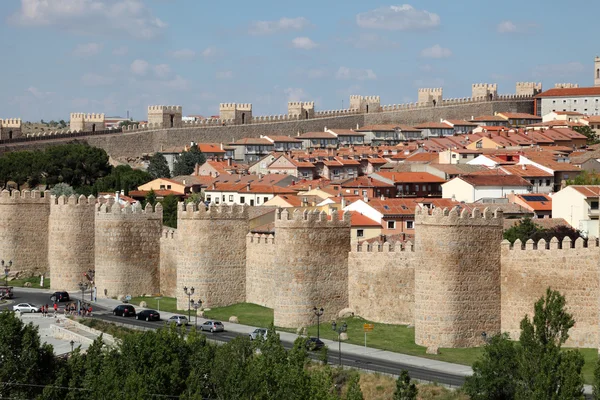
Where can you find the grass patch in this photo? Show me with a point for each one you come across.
(106, 327)
(247, 313)
(34, 280)
(591, 358)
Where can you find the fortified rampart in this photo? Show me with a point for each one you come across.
(127, 242)
(168, 262)
(24, 230)
(260, 270)
(70, 240)
(211, 253)
(311, 260)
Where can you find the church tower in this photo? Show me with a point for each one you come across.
(597, 71)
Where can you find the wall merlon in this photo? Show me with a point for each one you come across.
(110, 208)
(168, 233)
(554, 244)
(453, 216)
(72, 200)
(213, 211)
(10, 123)
(385, 247)
(258, 238)
(311, 218)
(25, 196)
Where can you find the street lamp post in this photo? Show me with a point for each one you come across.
(339, 331)
(6, 271)
(196, 305)
(91, 275)
(82, 287)
(72, 343)
(318, 313)
(189, 294)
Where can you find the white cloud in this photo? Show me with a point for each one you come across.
(507, 27)
(139, 67)
(120, 51)
(295, 94)
(371, 41)
(436, 51)
(304, 43)
(211, 52)
(162, 70)
(87, 49)
(398, 18)
(283, 24)
(38, 94)
(316, 73)
(344, 73)
(91, 16)
(559, 70)
(224, 75)
(91, 79)
(183, 54)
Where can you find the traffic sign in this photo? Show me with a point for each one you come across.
(368, 327)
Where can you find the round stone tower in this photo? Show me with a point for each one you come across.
(70, 240)
(127, 243)
(311, 260)
(212, 254)
(457, 277)
(24, 230)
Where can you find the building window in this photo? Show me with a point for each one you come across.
(162, 187)
(410, 224)
(364, 192)
(257, 200)
(416, 188)
(356, 192)
(479, 145)
(464, 156)
(242, 200)
(208, 198)
(360, 233)
(265, 199)
(223, 198)
(594, 205)
(231, 198)
(391, 224)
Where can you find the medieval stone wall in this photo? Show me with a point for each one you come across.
(168, 262)
(24, 230)
(211, 254)
(311, 260)
(570, 268)
(260, 272)
(127, 243)
(457, 277)
(70, 240)
(381, 282)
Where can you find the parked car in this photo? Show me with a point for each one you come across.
(6, 292)
(258, 333)
(148, 315)
(212, 326)
(314, 344)
(26, 308)
(60, 297)
(179, 320)
(124, 310)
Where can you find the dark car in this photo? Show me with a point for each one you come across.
(124, 310)
(314, 344)
(148, 315)
(60, 297)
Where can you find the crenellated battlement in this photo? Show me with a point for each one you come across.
(385, 247)
(529, 85)
(165, 109)
(554, 244)
(111, 207)
(168, 233)
(10, 123)
(431, 90)
(566, 85)
(304, 104)
(25, 196)
(260, 239)
(489, 86)
(454, 216)
(213, 211)
(311, 219)
(244, 106)
(91, 117)
(72, 200)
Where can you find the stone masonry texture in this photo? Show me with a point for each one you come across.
(212, 254)
(70, 240)
(457, 277)
(127, 250)
(260, 271)
(168, 262)
(311, 254)
(24, 230)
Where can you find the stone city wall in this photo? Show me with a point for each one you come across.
(311, 260)
(381, 282)
(24, 230)
(127, 243)
(70, 240)
(571, 268)
(168, 262)
(260, 272)
(211, 254)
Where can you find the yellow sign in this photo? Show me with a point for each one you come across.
(368, 327)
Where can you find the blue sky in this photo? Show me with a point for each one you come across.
(111, 56)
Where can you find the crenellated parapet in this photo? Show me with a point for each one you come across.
(111, 209)
(90, 122)
(430, 97)
(165, 116)
(528, 88)
(213, 211)
(165, 109)
(566, 85)
(456, 217)
(260, 239)
(25, 196)
(365, 104)
(313, 219)
(10, 123)
(385, 247)
(301, 109)
(484, 90)
(240, 113)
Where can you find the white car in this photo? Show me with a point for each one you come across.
(26, 308)
(179, 320)
(258, 333)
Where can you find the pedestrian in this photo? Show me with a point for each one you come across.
(90, 310)
(55, 308)
(46, 310)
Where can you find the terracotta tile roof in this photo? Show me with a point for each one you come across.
(396, 206)
(526, 171)
(433, 125)
(408, 128)
(422, 157)
(357, 219)
(317, 135)
(365, 181)
(159, 193)
(292, 200)
(535, 203)
(570, 133)
(587, 190)
(555, 122)
(346, 132)
(378, 128)
(488, 118)
(459, 169)
(594, 118)
(510, 115)
(409, 177)
(259, 141)
(548, 161)
(568, 113)
(191, 180)
(545, 223)
(303, 185)
(494, 180)
(287, 139)
(570, 92)
(460, 122)
(210, 148)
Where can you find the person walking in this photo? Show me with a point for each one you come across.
(55, 309)
(46, 310)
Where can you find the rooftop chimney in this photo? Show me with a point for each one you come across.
(229, 162)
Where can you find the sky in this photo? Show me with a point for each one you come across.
(119, 56)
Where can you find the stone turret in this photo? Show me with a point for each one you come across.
(10, 128)
(488, 91)
(165, 116)
(365, 104)
(127, 247)
(24, 230)
(70, 240)
(457, 277)
(304, 110)
(86, 122)
(239, 113)
(211, 253)
(311, 260)
(528, 88)
(430, 96)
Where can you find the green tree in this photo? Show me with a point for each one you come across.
(584, 178)
(196, 198)
(354, 392)
(589, 133)
(158, 167)
(321, 385)
(495, 374)
(405, 389)
(523, 230)
(150, 198)
(62, 189)
(186, 162)
(122, 177)
(169, 204)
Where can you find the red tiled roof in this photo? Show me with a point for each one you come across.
(346, 132)
(317, 135)
(494, 180)
(409, 177)
(525, 171)
(159, 193)
(287, 139)
(570, 92)
(433, 125)
(489, 118)
(365, 181)
(260, 141)
(587, 190)
(422, 157)
(378, 128)
(210, 148)
(460, 122)
(545, 205)
(510, 115)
